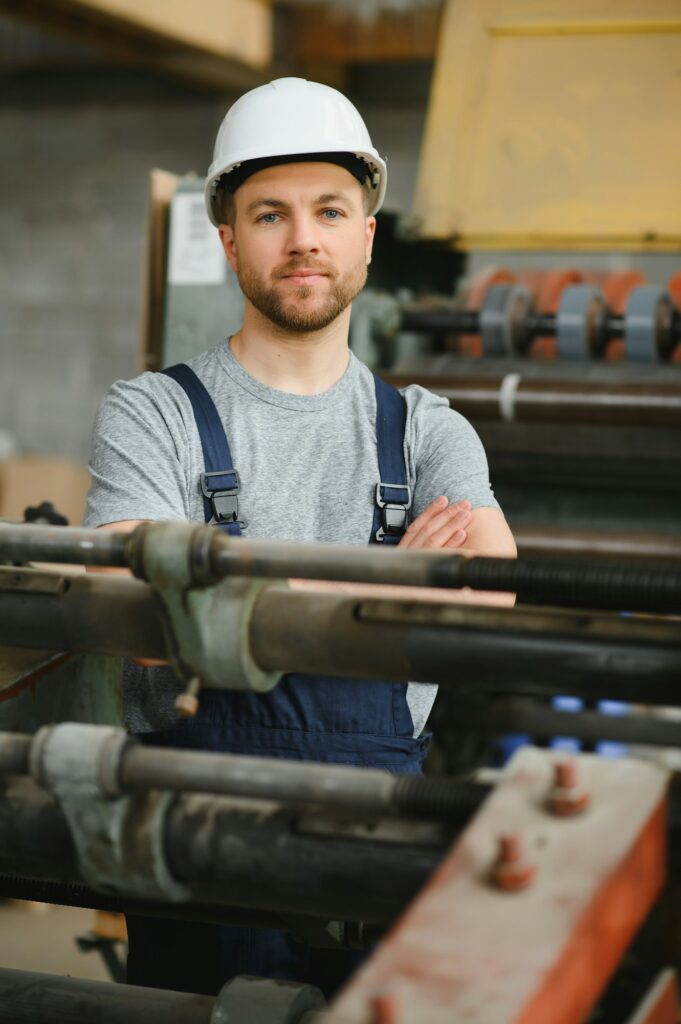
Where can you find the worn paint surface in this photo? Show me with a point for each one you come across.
(553, 125)
(465, 951)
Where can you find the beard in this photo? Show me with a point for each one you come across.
(291, 312)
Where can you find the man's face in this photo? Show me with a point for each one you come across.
(300, 243)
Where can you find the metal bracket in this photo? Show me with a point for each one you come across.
(118, 839)
(207, 628)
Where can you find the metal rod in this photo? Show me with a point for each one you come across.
(214, 555)
(535, 400)
(518, 715)
(533, 324)
(68, 545)
(362, 790)
(27, 997)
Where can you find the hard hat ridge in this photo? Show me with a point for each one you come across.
(291, 117)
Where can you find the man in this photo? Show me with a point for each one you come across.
(322, 452)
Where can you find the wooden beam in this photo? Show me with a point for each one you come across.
(323, 34)
(236, 29)
(232, 62)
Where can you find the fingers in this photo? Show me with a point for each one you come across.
(439, 525)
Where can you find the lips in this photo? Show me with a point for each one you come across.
(304, 277)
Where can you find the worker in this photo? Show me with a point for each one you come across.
(279, 432)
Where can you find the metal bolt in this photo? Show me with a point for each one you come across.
(567, 797)
(512, 870)
(187, 703)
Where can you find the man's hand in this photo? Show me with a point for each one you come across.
(441, 525)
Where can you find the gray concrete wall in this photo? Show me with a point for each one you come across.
(73, 182)
(73, 188)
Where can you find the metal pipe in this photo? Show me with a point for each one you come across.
(523, 716)
(86, 612)
(562, 401)
(495, 649)
(254, 855)
(362, 790)
(68, 895)
(335, 634)
(651, 548)
(272, 858)
(27, 997)
(214, 555)
(68, 545)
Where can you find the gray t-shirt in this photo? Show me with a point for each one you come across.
(308, 468)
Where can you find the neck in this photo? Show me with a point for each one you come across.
(300, 363)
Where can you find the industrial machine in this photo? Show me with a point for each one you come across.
(522, 893)
(543, 891)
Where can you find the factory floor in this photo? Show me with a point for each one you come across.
(42, 937)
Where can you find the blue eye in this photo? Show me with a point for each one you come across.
(332, 214)
(268, 218)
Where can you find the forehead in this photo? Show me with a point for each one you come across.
(298, 182)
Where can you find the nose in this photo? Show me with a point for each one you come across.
(302, 237)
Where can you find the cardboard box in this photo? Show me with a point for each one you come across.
(31, 479)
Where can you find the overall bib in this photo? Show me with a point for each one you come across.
(310, 718)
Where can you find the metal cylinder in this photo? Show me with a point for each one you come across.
(19, 542)
(254, 856)
(271, 858)
(27, 997)
(537, 651)
(619, 403)
(86, 612)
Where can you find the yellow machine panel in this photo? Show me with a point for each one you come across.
(554, 125)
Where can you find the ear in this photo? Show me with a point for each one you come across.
(370, 230)
(228, 244)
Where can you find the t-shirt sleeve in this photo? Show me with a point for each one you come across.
(445, 453)
(135, 465)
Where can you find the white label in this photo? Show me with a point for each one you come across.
(196, 255)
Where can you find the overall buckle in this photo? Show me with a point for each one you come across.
(393, 509)
(222, 494)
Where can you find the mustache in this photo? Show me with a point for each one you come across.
(294, 265)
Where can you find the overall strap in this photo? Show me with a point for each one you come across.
(219, 481)
(393, 494)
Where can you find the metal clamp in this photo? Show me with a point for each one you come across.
(118, 839)
(207, 629)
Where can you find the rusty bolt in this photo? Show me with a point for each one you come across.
(512, 870)
(567, 796)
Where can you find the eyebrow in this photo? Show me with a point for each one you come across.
(279, 204)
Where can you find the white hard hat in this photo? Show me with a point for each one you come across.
(292, 117)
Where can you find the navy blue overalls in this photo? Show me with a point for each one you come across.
(311, 718)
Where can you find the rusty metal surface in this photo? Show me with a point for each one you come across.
(467, 950)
